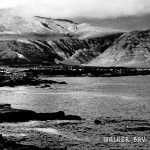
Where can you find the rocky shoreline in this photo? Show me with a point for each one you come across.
(24, 78)
(12, 115)
(11, 145)
(9, 114)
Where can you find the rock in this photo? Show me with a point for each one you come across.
(8, 114)
(45, 86)
(2, 106)
(60, 115)
(62, 83)
(72, 117)
(103, 121)
(26, 78)
(97, 121)
(47, 82)
(14, 115)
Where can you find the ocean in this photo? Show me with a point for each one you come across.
(124, 101)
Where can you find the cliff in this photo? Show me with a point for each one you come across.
(42, 48)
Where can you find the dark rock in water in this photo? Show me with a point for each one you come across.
(50, 82)
(62, 83)
(97, 121)
(8, 114)
(25, 78)
(72, 117)
(5, 106)
(50, 116)
(17, 116)
(45, 86)
(103, 121)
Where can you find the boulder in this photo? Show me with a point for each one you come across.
(103, 121)
(8, 114)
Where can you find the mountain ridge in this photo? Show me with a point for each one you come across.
(52, 41)
(45, 40)
(130, 49)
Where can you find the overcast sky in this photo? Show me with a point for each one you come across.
(77, 8)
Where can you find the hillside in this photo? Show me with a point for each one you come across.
(59, 50)
(131, 49)
(51, 41)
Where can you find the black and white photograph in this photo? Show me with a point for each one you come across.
(74, 74)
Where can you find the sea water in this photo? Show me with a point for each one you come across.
(88, 97)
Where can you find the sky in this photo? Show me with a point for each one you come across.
(77, 8)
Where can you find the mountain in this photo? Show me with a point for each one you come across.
(19, 25)
(130, 49)
(37, 48)
(60, 41)
(51, 41)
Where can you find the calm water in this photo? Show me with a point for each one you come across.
(88, 97)
(91, 98)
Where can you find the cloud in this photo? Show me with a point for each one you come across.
(11, 3)
(78, 8)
